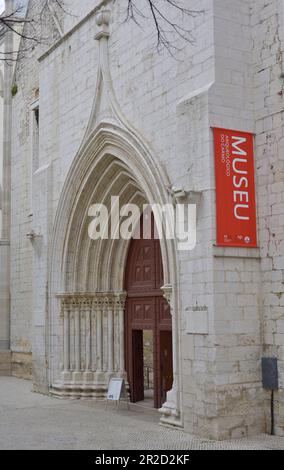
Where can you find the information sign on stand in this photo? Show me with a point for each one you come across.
(117, 391)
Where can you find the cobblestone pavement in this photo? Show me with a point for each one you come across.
(33, 421)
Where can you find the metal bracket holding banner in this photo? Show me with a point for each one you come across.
(116, 392)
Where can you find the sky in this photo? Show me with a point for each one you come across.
(2, 5)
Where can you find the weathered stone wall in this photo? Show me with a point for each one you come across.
(236, 272)
(232, 78)
(1, 130)
(76, 10)
(222, 389)
(7, 45)
(4, 309)
(268, 40)
(26, 79)
(5, 363)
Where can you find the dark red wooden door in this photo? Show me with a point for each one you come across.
(166, 359)
(146, 309)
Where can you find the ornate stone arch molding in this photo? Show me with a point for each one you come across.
(1, 84)
(86, 298)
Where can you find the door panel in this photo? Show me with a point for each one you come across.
(140, 274)
(166, 363)
(141, 312)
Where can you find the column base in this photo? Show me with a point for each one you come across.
(169, 411)
(83, 385)
(77, 377)
(88, 377)
(67, 376)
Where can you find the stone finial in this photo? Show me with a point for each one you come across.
(103, 21)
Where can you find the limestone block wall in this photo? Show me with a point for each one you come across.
(26, 78)
(3, 283)
(248, 95)
(268, 39)
(222, 382)
(5, 163)
(76, 10)
(1, 131)
(236, 271)
(196, 268)
(232, 78)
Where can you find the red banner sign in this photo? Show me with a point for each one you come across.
(235, 189)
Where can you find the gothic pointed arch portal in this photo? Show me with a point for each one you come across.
(86, 284)
(87, 290)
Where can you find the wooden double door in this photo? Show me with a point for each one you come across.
(146, 309)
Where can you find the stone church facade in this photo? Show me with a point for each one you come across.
(96, 113)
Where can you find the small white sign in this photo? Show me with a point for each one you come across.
(116, 390)
(197, 321)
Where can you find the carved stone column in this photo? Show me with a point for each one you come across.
(65, 363)
(105, 335)
(99, 312)
(110, 336)
(66, 337)
(88, 375)
(77, 313)
(171, 409)
(120, 303)
(92, 343)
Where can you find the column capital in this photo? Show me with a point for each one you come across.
(95, 301)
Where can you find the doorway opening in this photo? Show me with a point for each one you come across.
(148, 332)
(148, 355)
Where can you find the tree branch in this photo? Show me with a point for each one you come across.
(161, 14)
(167, 17)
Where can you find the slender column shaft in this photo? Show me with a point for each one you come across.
(121, 341)
(110, 340)
(93, 339)
(99, 342)
(77, 341)
(66, 347)
(88, 341)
